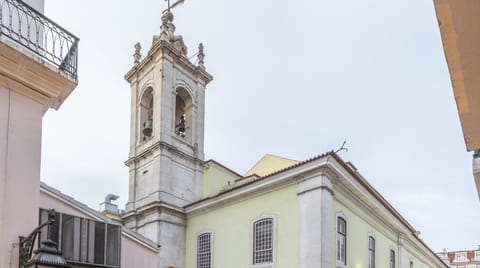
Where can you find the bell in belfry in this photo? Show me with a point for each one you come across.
(147, 128)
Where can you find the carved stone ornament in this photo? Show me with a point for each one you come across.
(137, 55)
(201, 56)
(167, 33)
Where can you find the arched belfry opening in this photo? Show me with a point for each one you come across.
(183, 114)
(146, 115)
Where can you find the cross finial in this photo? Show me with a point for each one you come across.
(178, 2)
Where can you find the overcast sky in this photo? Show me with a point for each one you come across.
(291, 78)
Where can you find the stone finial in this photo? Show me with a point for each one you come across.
(201, 56)
(167, 33)
(166, 18)
(137, 55)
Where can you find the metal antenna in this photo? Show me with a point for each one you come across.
(342, 148)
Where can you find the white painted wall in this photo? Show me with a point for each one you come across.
(315, 203)
(20, 145)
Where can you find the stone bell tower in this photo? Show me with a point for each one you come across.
(166, 140)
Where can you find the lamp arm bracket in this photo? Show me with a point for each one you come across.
(26, 243)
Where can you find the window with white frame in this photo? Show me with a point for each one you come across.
(371, 252)
(263, 241)
(392, 258)
(341, 241)
(477, 256)
(460, 256)
(204, 250)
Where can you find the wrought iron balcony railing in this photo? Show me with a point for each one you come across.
(31, 29)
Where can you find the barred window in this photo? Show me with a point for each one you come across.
(204, 250)
(341, 241)
(263, 241)
(392, 258)
(371, 252)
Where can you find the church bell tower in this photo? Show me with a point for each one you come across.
(166, 140)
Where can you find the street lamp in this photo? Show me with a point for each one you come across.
(47, 255)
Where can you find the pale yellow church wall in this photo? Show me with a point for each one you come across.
(411, 254)
(360, 224)
(231, 226)
(215, 179)
(269, 164)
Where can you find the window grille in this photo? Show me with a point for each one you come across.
(392, 258)
(263, 241)
(341, 241)
(204, 250)
(371, 252)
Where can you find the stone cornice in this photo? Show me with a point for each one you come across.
(259, 187)
(358, 190)
(156, 206)
(32, 77)
(160, 145)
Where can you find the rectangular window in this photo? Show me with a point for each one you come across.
(83, 240)
(477, 257)
(392, 258)
(263, 241)
(204, 250)
(371, 252)
(341, 241)
(460, 256)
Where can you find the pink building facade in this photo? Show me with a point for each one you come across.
(33, 78)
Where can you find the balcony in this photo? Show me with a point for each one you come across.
(32, 30)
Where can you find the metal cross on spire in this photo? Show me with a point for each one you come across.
(178, 2)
